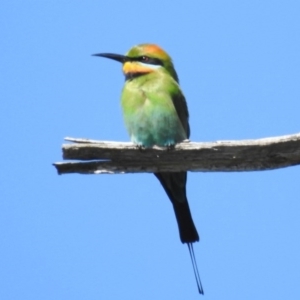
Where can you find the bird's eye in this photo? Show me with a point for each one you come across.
(145, 58)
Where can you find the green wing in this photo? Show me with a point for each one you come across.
(182, 111)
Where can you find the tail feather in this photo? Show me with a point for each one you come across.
(175, 186)
(195, 267)
(187, 230)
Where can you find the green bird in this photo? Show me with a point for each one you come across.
(156, 113)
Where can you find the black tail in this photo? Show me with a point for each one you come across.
(175, 186)
(195, 267)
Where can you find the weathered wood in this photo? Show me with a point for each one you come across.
(101, 157)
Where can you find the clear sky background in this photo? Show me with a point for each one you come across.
(115, 236)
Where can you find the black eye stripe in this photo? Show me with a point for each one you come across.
(147, 60)
(151, 60)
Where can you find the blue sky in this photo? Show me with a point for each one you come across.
(115, 236)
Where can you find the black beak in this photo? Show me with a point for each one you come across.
(117, 57)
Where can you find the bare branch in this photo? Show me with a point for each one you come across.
(101, 157)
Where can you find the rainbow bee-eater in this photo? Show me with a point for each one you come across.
(156, 113)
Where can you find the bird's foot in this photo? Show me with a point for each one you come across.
(170, 147)
(140, 147)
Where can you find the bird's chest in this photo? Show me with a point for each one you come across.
(141, 111)
(150, 117)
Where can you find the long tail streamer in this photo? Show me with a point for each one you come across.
(196, 272)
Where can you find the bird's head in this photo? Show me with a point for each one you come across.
(143, 59)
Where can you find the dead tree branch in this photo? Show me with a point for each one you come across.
(99, 157)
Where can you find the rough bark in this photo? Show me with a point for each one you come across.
(100, 157)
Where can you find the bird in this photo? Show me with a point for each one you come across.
(156, 114)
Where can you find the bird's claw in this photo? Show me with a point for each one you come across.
(170, 147)
(140, 147)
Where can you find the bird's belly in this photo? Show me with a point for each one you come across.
(150, 125)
